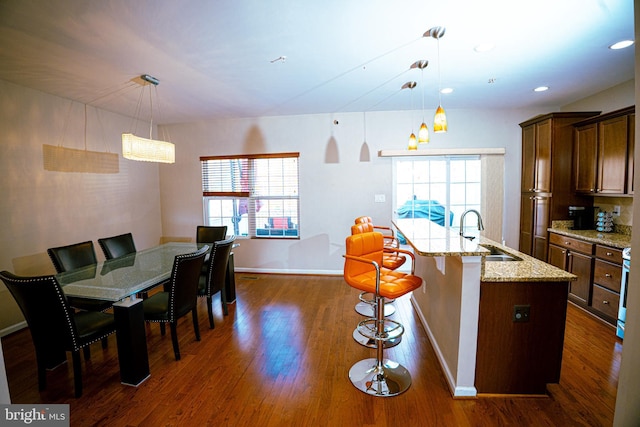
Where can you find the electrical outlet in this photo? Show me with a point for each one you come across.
(380, 198)
(521, 313)
(616, 210)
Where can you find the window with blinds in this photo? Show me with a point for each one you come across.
(253, 195)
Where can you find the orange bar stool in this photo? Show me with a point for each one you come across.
(362, 270)
(390, 239)
(392, 259)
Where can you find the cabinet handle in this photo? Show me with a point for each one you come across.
(567, 243)
(592, 190)
(605, 302)
(607, 275)
(609, 254)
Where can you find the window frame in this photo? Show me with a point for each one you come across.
(280, 194)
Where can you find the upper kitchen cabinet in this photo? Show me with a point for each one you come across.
(603, 161)
(536, 157)
(546, 184)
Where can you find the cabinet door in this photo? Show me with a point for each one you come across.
(582, 266)
(540, 226)
(526, 224)
(543, 156)
(612, 156)
(527, 183)
(557, 256)
(585, 158)
(631, 148)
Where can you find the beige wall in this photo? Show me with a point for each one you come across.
(42, 208)
(336, 186)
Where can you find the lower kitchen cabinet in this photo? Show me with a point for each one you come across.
(599, 273)
(574, 256)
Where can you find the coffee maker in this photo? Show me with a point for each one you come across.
(582, 217)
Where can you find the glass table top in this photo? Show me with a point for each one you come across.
(116, 279)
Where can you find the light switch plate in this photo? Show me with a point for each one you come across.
(380, 198)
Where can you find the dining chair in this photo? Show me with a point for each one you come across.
(213, 279)
(70, 257)
(117, 246)
(54, 326)
(180, 296)
(210, 234)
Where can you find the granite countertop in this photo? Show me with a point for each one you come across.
(430, 239)
(616, 240)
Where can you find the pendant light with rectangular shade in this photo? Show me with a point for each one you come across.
(143, 149)
(440, 118)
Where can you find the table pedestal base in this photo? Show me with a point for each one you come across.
(132, 342)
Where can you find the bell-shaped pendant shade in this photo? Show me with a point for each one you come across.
(440, 120)
(413, 143)
(423, 134)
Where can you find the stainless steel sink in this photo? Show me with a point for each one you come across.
(497, 254)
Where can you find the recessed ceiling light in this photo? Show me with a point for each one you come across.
(446, 90)
(541, 88)
(484, 47)
(621, 44)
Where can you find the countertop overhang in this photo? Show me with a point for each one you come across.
(432, 240)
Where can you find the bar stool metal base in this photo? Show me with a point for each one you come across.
(388, 379)
(369, 309)
(371, 342)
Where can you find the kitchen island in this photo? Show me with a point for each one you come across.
(497, 326)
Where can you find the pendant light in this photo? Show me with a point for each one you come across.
(413, 142)
(440, 118)
(143, 149)
(423, 132)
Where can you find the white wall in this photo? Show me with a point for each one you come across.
(335, 185)
(41, 208)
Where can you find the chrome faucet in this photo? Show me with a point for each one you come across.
(480, 225)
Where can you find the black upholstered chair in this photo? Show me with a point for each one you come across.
(210, 234)
(180, 296)
(70, 257)
(54, 326)
(117, 246)
(212, 280)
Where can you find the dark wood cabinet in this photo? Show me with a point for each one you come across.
(586, 158)
(576, 257)
(581, 265)
(547, 188)
(603, 153)
(598, 269)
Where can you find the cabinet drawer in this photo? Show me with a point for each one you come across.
(605, 301)
(607, 275)
(610, 254)
(571, 243)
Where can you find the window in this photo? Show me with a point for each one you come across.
(438, 188)
(253, 195)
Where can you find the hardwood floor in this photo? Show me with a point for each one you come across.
(282, 357)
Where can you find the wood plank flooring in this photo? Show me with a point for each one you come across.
(281, 358)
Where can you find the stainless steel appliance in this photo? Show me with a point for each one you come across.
(622, 309)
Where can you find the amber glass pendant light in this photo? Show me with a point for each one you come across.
(423, 132)
(413, 142)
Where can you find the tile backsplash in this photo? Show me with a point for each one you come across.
(607, 204)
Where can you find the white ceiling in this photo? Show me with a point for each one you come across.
(218, 58)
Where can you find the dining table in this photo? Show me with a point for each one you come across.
(120, 280)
